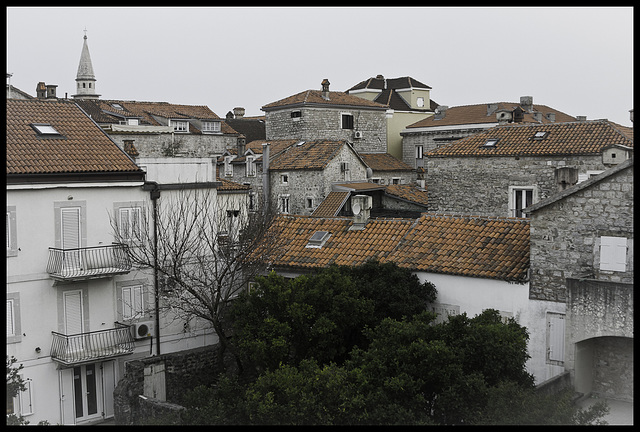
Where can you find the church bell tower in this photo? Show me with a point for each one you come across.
(85, 79)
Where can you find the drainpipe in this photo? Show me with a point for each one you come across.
(154, 194)
(265, 178)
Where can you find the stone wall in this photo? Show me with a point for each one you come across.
(565, 236)
(325, 123)
(480, 185)
(430, 140)
(177, 144)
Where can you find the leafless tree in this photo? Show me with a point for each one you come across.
(202, 248)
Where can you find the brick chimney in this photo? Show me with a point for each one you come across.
(325, 89)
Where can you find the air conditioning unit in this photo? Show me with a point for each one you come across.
(143, 329)
(357, 134)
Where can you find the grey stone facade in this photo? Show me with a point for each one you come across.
(430, 141)
(566, 233)
(480, 185)
(176, 144)
(326, 123)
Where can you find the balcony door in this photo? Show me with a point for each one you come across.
(87, 392)
(71, 238)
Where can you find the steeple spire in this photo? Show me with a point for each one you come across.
(85, 79)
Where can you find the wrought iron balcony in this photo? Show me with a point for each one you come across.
(88, 262)
(92, 346)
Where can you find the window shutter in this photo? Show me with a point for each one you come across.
(613, 253)
(26, 399)
(138, 300)
(10, 322)
(73, 312)
(556, 337)
(71, 228)
(126, 303)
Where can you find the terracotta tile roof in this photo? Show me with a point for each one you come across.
(314, 97)
(476, 114)
(81, 147)
(306, 155)
(344, 247)
(384, 162)
(275, 146)
(358, 186)
(584, 137)
(485, 247)
(331, 205)
(231, 186)
(493, 248)
(106, 111)
(407, 192)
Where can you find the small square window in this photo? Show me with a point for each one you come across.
(347, 121)
(284, 179)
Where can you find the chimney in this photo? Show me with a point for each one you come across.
(504, 116)
(551, 117)
(238, 112)
(41, 90)
(266, 199)
(325, 89)
(441, 111)
(631, 115)
(526, 102)
(491, 108)
(130, 149)
(51, 91)
(240, 144)
(566, 177)
(361, 208)
(537, 116)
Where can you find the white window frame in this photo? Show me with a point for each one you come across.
(23, 401)
(284, 178)
(133, 216)
(513, 190)
(420, 101)
(12, 233)
(613, 253)
(14, 327)
(211, 126)
(133, 302)
(250, 167)
(180, 125)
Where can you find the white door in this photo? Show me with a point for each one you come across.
(87, 392)
(70, 229)
(108, 386)
(67, 411)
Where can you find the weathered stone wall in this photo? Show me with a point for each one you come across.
(480, 185)
(430, 140)
(188, 145)
(326, 123)
(565, 236)
(613, 368)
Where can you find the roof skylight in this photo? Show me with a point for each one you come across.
(45, 129)
(540, 135)
(318, 239)
(491, 142)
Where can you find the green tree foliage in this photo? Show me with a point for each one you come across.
(15, 384)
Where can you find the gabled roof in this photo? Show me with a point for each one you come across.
(484, 247)
(306, 155)
(379, 83)
(230, 186)
(80, 146)
(252, 128)
(482, 114)
(580, 186)
(113, 111)
(407, 192)
(332, 204)
(314, 97)
(384, 162)
(583, 137)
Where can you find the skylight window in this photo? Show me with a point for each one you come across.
(540, 135)
(491, 142)
(45, 129)
(117, 106)
(318, 239)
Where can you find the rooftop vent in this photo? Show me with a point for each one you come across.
(441, 111)
(361, 208)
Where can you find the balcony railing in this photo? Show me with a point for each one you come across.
(92, 346)
(88, 262)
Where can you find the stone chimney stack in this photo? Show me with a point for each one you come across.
(526, 102)
(238, 112)
(325, 89)
(41, 90)
(51, 91)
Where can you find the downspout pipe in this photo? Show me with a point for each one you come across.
(154, 194)
(265, 178)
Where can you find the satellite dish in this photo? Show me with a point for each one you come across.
(356, 208)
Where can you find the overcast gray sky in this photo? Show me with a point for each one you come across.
(576, 60)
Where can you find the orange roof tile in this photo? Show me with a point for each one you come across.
(313, 155)
(81, 147)
(583, 137)
(476, 114)
(407, 192)
(384, 162)
(331, 205)
(486, 247)
(314, 97)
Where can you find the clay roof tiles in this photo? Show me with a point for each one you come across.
(485, 247)
(384, 162)
(314, 155)
(315, 97)
(583, 137)
(80, 147)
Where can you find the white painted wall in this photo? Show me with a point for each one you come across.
(178, 170)
(473, 295)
